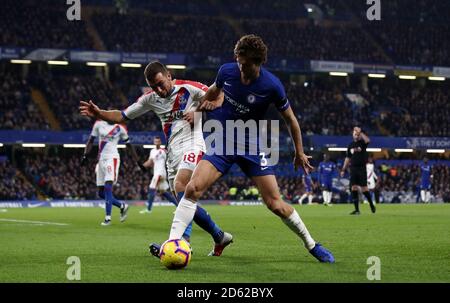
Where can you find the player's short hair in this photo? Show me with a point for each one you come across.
(360, 126)
(157, 137)
(251, 47)
(153, 68)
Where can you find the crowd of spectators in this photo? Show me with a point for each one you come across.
(60, 176)
(414, 111)
(18, 112)
(177, 7)
(394, 181)
(326, 111)
(405, 178)
(409, 34)
(420, 11)
(265, 9)
(64, 93)
(57, 173)
(413, 33)
(25, 24)
(173, 7)
(12, 186)
(344, 42)
(413, 44)
(322, 107)
(165, 34)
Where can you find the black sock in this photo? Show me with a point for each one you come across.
(368, 197)
(377, 196)
(355, 199)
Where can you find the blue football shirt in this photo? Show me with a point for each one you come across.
(247, 102)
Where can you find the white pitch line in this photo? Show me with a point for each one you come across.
(33, 222)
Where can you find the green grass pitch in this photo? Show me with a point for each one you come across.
(412, 242)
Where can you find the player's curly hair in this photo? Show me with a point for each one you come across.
(153, 68)
(251, 47)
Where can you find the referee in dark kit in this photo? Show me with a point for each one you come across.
(357, 158)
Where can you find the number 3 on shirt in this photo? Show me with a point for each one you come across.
(263, 159)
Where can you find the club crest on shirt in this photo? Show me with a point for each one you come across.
(251, 99)
(183, 96)
(355, 150)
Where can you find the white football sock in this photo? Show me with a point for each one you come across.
(183, 216)
(310, 198)
(325, 197)
(428, 196)
(330, 196)
(302, 198)
(295, 223)
(107, 218)
(423, 196)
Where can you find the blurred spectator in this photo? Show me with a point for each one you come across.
(12, 186)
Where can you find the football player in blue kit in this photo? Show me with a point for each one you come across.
(425, 181)
(249, 89)
(309, 191)
(326, 170)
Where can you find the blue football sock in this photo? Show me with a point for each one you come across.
(203, 219)
(168, 195)
(188, 231)
(180, 195)
(101, 193)
(151, 198)
(110, 197)
(108, 207)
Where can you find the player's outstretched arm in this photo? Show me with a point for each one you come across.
(212, 99)
(300, 160)
(90, 109)
(87, 150)
(134, 156)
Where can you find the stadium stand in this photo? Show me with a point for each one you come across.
(142, 32)
(323, 106)
(265, 9)
(12, 187)
(59, 175)
(43, 25)
(345, 42)
(18, 110)
(56, 172)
